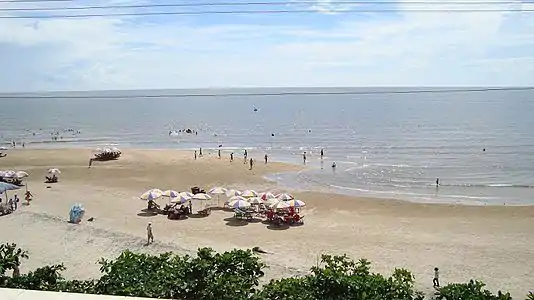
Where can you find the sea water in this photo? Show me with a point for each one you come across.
(479, 144)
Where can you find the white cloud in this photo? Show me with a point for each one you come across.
(404, 49)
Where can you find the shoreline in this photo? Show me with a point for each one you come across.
(464, 241)
(295, 169)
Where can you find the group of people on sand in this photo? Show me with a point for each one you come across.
(14, 202)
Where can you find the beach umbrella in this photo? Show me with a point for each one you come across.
(152, 194)
(296, 203)
(181, 199)
(4, 186)
(218, 191)
(9, 174)
(249, 194)
(187, 194)
(272, 201)
(54, 171)
(279, 205)
(201, 196)
(239, 203)
(285, 197)
(170, 193)
(232, 192)
(21, 174)
(267, 196)
(255, 200)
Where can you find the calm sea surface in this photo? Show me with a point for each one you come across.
(385, 145)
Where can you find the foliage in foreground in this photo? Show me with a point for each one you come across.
(231, 275)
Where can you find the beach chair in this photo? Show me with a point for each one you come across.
(204, 212)
(52, 179)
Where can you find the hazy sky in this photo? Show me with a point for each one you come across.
(320, 49)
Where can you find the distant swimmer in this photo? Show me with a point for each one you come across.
(333, 165)
(255, 109)
(437, 182)
(484, 150)
(272, 134)
(232, 156)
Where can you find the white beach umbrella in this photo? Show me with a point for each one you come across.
(152, 194)
(279, 205)
(201, 196)
(296, 203)
(181, 199)
(21, 174)
(170, 193)
(187, 194)
(9, 174)
(232, 192)
(235, 198)
(255, 200)
(239, 203)
(272, 201)
(249, 194)
(218, 191)
(54, 171)
(285, 197)
(267, 196)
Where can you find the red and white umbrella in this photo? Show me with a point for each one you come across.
(267, 196)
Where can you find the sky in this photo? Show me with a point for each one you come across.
(322, 49)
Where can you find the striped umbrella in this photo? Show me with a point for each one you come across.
(232, 192)
(255, 200)
(249, 194)
(280, 205)
(152, 194)
(296, 203)
(181, 199)
(171, 194)
(285, 197)
(267, 195)
(239, 204)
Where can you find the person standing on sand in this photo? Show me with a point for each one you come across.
(219, 153)
(200, 153)
(266, 158)
(304, 157)
(16, 201)
(437, 182)
(435, 281)
(322, 153)
(29, 197)
(195, 154)
(150, 235)
(251, 163)
(245, 156)
(231, 156)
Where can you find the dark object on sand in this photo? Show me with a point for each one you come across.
(3, 154)
(51, 179)
(91, 219)
(259, 250)
(5, 209)
(196, 190)
(107, 154)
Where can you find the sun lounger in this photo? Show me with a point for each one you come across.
(52, 179)
(204, 212)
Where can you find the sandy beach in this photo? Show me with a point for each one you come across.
(493, 244)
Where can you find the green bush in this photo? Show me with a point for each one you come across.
(231, 275)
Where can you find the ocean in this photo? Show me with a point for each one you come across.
(385, 144)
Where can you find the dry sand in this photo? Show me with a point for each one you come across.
(493, 244)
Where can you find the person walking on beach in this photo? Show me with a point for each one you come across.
(266, 158)
(219, 153)
(150, 235)
(435, 281)
(195, 154)
(16, 201)
(251, 163)
(304, 157)
(322, 153)
(11, 205)
(232, 156)
(29, 197)
(245, 156)
(437, 182)
(200, 153)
